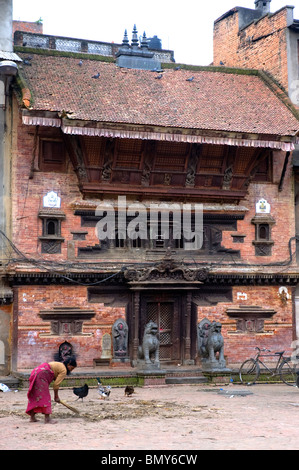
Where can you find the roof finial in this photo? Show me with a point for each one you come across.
(125, 42)
(135, 42)
(144, 43)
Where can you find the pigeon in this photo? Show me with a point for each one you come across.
(159, 76)
(80, 63)
(190, 79)
(81, 392)
(177, 68)
(104, 391)
(129, 390)
(96, 76)
(26, 62)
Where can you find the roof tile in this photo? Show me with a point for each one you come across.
(213, 100)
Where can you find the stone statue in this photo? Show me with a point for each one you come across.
(150, 345)
(120, 338)
(211, 345)
(65, 351)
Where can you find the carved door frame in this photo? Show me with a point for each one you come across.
(183, 340)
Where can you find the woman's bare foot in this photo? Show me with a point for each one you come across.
(33, 418)
(49, 420)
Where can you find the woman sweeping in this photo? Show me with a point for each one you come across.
(39, 399)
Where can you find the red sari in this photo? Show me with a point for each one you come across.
(39, 399)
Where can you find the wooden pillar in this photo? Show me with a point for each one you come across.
(136, 310)
(187, 321)
(15, 330)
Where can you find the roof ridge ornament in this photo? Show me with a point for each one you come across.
(125, 42)
(144, 42)
(134, 56)
(135, 41)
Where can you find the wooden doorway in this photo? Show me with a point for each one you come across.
(165, 310)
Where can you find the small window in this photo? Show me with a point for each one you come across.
(51, 227)
(263, 232)
(52, 155)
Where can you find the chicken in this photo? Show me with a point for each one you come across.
(129, 390)
(81, 392)
(103, 390)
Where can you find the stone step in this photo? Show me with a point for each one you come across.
(10, 381)
(185, 380)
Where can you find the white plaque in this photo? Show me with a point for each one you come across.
(262, 207)
(51, 200)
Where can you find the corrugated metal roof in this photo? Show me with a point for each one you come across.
(9, 56)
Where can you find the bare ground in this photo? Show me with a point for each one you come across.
(173, 417)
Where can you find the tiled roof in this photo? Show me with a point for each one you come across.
(213, 100)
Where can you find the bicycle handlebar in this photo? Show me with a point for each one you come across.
(263, 349)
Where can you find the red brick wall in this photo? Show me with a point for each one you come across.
(277, 333)
(35, 342)
(261, 45)
(27, 27)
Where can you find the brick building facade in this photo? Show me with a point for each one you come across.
(216, 137)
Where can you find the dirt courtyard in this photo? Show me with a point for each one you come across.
(172, 417)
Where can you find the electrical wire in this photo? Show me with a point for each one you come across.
(54, 267)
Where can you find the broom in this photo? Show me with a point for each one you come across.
(72, 408)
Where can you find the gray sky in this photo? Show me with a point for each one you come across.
(184, 27)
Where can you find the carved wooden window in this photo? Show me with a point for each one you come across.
(156, 238)
(52, 155)
(51, 238)
(263, 243)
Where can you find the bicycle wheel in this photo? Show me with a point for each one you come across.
(249, 372)
(287, 373)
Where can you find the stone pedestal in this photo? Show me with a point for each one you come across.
(121, 363)
(151, 377)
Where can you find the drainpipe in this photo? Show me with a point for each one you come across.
(8, 69)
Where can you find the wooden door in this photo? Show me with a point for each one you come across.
(166, 313)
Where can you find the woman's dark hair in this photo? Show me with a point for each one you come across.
(70, 361)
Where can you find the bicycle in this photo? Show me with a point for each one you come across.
(250, 370)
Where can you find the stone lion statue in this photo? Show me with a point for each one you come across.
(150, 344)
(211, 343)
